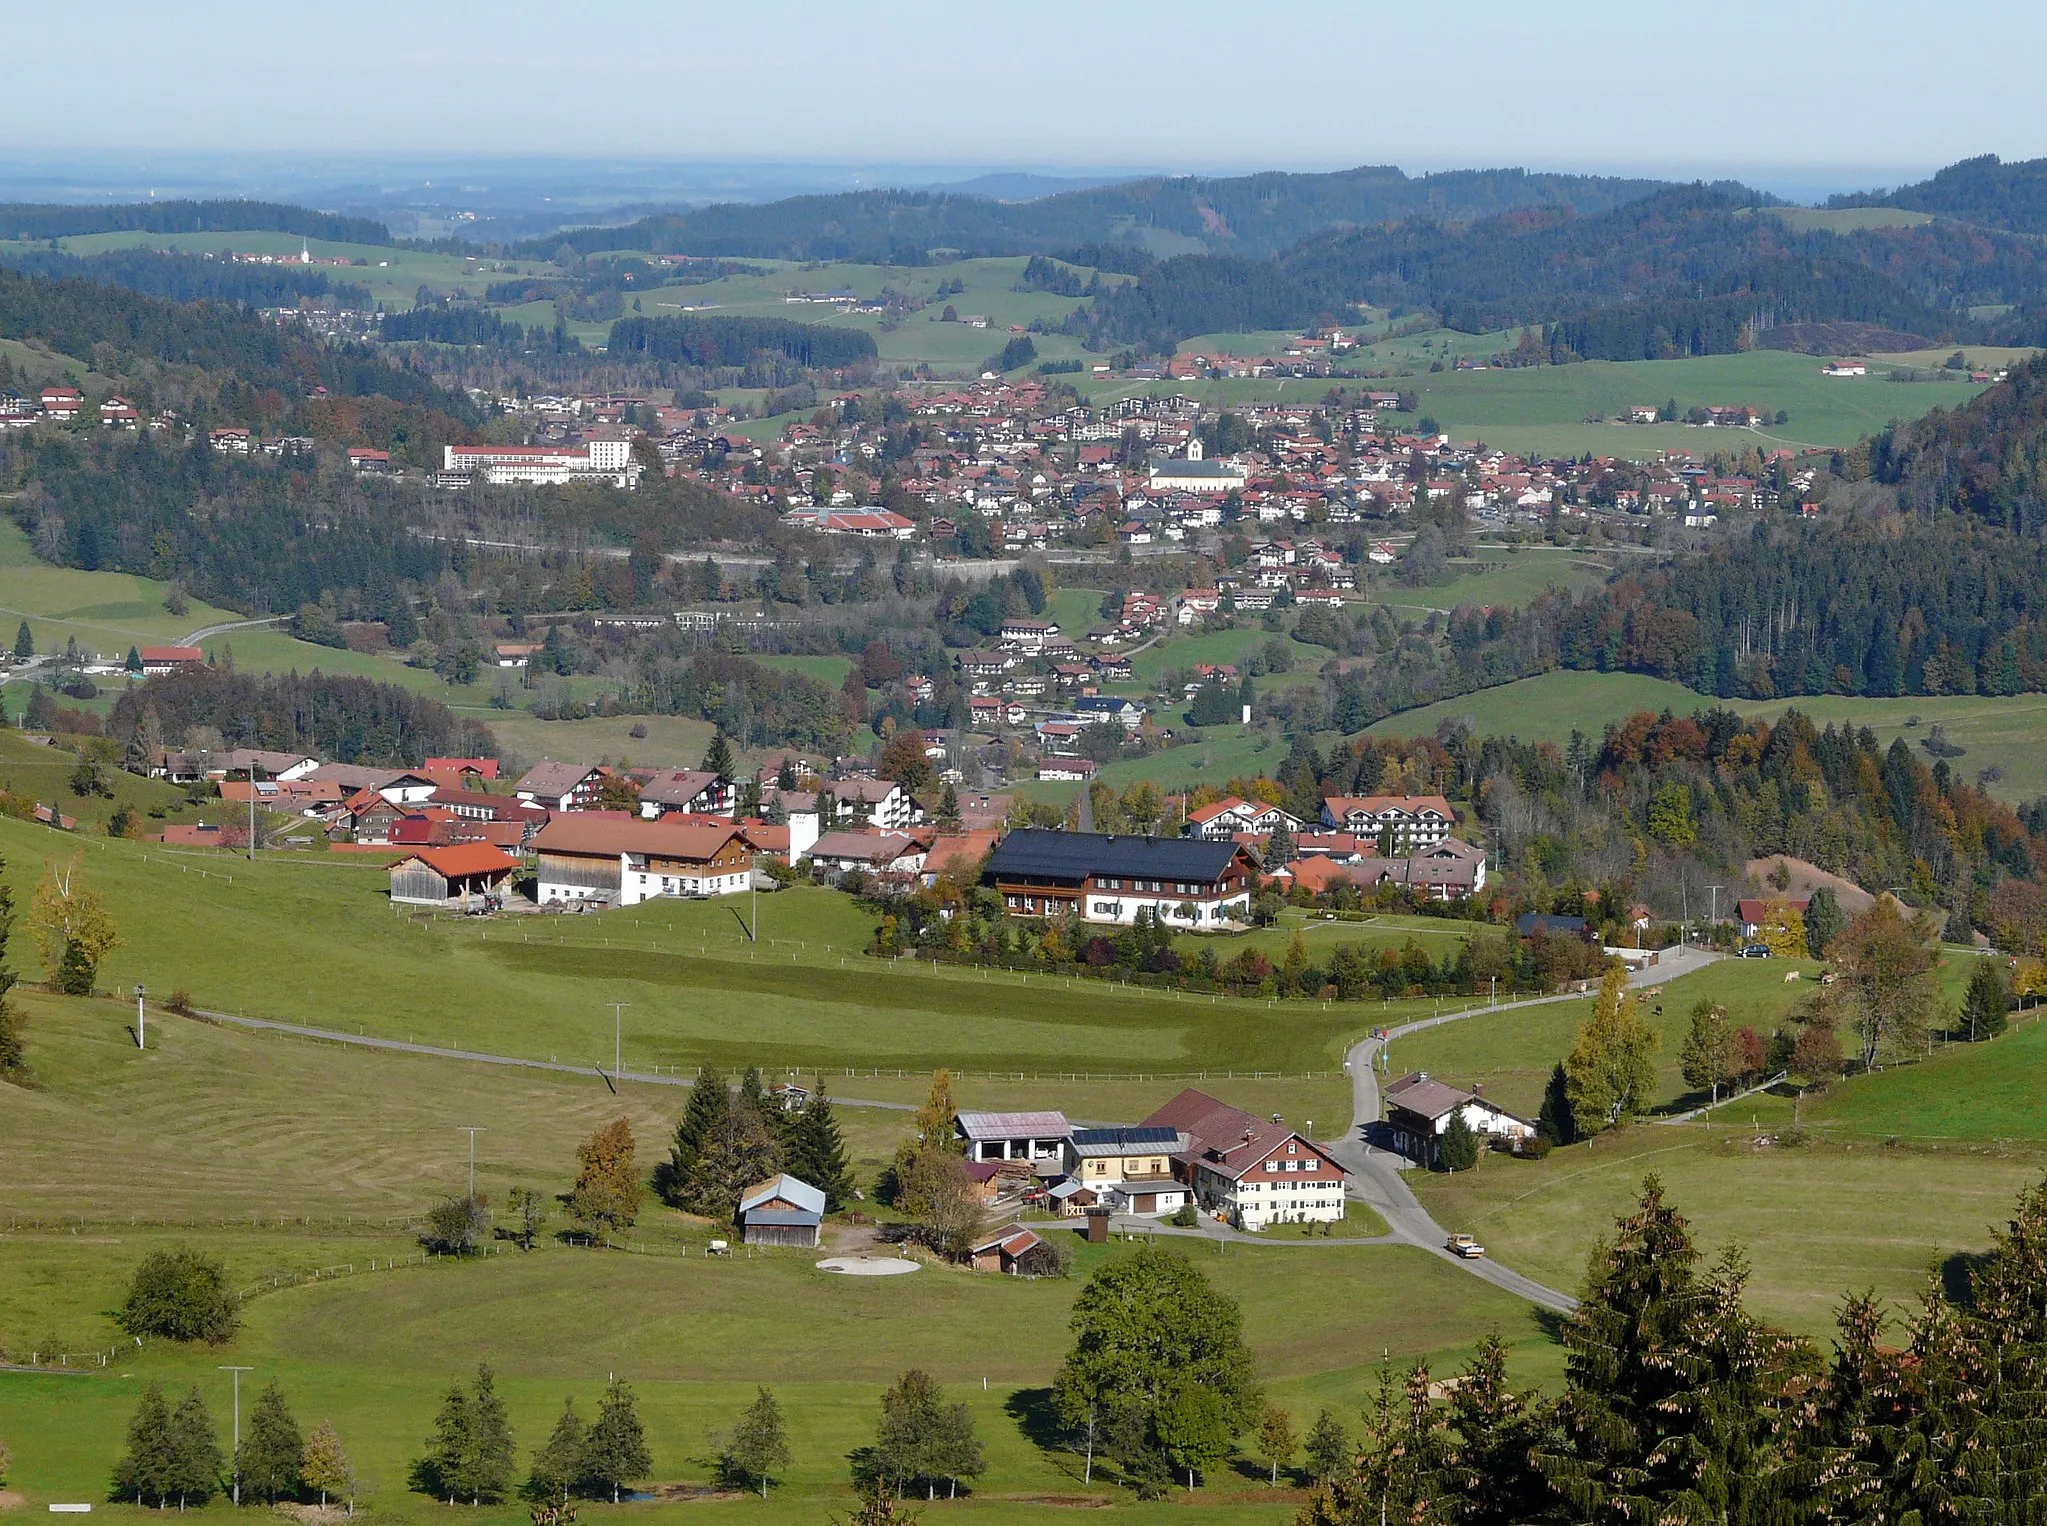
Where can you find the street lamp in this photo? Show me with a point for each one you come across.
(617, 1044)
(238, 1371)
(472, 1130)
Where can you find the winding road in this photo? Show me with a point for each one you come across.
(1377, 1174)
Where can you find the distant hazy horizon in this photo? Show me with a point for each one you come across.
(1800, 97)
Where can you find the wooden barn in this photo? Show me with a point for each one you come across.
(782, 1211)
(1016, 1251)
(460, 875)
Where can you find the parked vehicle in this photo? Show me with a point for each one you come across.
(1755, 951)
(1464, 1247)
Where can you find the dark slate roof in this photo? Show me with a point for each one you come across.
(1040, 853)
(1530, 922)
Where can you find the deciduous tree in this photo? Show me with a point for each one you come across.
(608, 1190)
(180, 1295)
(1611, 1068)
(326, 1469)
(1276, 1440)
(758, 1447)
(1886, 968)
(70, 921)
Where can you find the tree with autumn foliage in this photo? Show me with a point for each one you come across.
(608, 1190)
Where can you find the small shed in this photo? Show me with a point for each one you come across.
(1015, 1251)
(462, 875)
(782, 1211)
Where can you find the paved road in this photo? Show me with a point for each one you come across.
(206, 631)
(479, 1057)
(1376, 1174)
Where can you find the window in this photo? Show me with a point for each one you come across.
(1272, 1166)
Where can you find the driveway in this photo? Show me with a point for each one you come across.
(1378, 1175)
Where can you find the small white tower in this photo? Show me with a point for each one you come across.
(1194, 447)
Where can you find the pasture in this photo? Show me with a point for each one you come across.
(1497, 577)
(245, 1168)
(1994, 732)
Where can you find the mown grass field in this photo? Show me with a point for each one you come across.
(1496, 578)
(283, 1155)
(1994, 732)
(236, 937)
(1543, 409)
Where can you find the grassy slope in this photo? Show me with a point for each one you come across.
(235, 1149)
(1542, 409)
(699, 992)
(1495, 579)
(2003, 732)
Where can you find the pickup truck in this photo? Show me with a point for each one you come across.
(1464, 1247)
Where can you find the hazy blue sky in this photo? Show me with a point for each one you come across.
(1849, 85)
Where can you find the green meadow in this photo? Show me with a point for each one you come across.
(2000, 732)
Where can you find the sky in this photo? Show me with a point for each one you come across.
(1853, 92)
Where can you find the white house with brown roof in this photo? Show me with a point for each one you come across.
(1409, 821)
(1419, 1109)
(1249, 1170)
(610, 856)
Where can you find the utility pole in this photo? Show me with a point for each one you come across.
(238, 1371)
(472, 1130)
(253, 770)
(617, 1044)
(139, 1020)
(1684, 892)
(1715, 889)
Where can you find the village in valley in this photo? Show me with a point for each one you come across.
(701, 834)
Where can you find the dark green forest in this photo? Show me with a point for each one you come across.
(32, 220)
(350, 720)
(1254, 215)
(189, 277)
(733, 341)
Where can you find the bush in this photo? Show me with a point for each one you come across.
(1535, 1147)
(180, 1295)
(1185, 1217)
(456, 1226)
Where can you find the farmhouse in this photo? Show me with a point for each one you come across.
(870, 852)
(1251, 1171)
(169, 659)
(1419, 1109)
(692, 792)
(400, 786)
(1112, 879)
(560, 786)
(609, 856)
(782, 1211)
(1760, 918)
(462, 875)
(1130, 1169)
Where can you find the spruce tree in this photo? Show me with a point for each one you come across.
(1328, 1448)
(144, 1472)
(195, 1457)
(718, 756)
(1987, 1002)
(817, 1152)
(1555, 1121)
(1457, 1149)
(443, 1471)
(271, 1463)
(489, 1459)
(708, 1100)
(24, 642)
(558, 1464)
(615, 1452)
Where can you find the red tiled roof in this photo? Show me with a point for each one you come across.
(459, 859)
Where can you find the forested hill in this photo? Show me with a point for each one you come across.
(34, 220)
(188, 277)
(1687, 270)
(1988, 459)
(122, 333)
(1251, 215)
(1986, 191)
